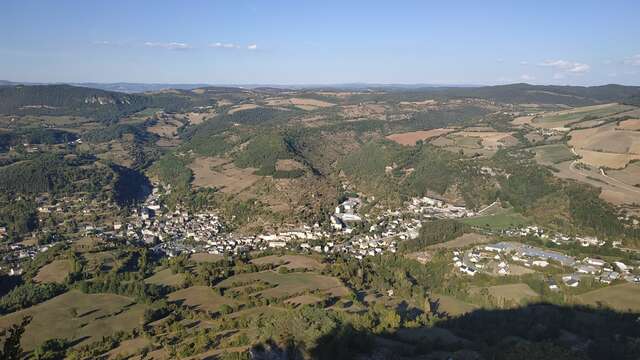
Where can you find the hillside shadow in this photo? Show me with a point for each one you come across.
(535, 331)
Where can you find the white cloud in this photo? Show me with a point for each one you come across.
(224, 45)
(527, 77)
(524, 63)
(634, 60)
(102, 42)
(566, 66)
(558, 76)
(168, 45)
(252, 46)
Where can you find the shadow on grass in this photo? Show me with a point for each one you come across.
(536, 331)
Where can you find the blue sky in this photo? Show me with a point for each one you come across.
(321, 42)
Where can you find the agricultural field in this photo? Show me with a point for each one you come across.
(205, 257)
(290, 261)
(300, 103)
(78, 317)
(463, 241)
(453, 306)
(606, 146)
(629, 175)
(614, 185)
(623, 297)
(289, 284)
(54, 272)
(201, 298)
(411, 138)
(165, 277)
(514, 293)
(222, 174)
(553, 154)
(502, 220)
(630, 124)
(565, 118)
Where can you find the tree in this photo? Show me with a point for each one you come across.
(12, 349)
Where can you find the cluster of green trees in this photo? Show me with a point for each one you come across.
(54, 174)
(116, 131)
(434, 232)
(35, 136)
(18, 216)
(64, 100)
(29, 294)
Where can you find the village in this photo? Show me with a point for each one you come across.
(174, 232)
(515, 258)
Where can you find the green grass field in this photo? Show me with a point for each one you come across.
(200, 298)
(165, 277)
(579, 114)
(290, 261)
(553, 154)
(289, 284)
(503, 220)
(453, 306)
(621, 297)
(77, 317)
(515, 293)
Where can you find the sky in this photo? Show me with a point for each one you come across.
(321, 42)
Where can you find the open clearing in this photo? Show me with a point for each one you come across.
(629, 175)
(165, 277)
(462, 241)
(290, 261)
(288, 165)
(411, 138)
(621, 297)
(503, 220)
(205, 257)
(512, 292)
(567, 117)
(128, 348)
(615, 188)
(553, 154)
(54, 272)
(491, 139)
(606, 146)
(201, 298)
(222, 174)
(300, 103)
(77, 317)
(303, 300)
(289, 284)
(242, 107)
(631, 124)
(453, 306)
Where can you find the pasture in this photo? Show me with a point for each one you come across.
(623, 297)
(165, 277)
(571, 116)
(54, 272)
(289, 284)
(201, 298)
(290, 261)
(553, 154)
(463, 241)
(515, 293)
(629, 175)
(222, 174)
(502, 220)
(78, 317)
(411, 138)
(205, 257)
(453, 306)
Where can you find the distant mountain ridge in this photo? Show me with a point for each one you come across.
(109, 106)
(105, 106)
